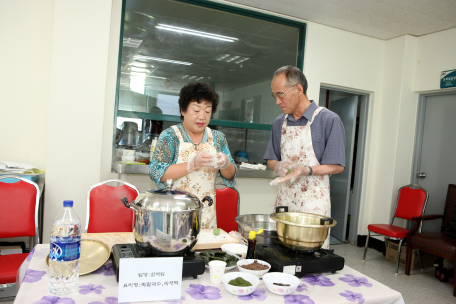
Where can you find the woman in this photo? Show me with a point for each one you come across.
(190, 153)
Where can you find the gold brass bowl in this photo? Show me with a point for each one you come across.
(93, 255)
(302, 231)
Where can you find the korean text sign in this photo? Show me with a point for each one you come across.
(150, 279)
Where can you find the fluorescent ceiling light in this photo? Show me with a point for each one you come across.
(130, 42)
(140, 64)
(136, 69)
(190, 78)
(229, 58)
(195, 33)
(185, 76)
(161, 59)
(199, 78)
(142, 75)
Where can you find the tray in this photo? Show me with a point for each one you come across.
(93, 255)
(207, 239)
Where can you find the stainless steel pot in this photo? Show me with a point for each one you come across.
(249, 222)
(167, 221)
(302, 231)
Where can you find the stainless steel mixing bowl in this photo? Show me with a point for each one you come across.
(249, 222)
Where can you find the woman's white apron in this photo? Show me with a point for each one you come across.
(200, 183)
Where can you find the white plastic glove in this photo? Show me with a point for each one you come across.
(223, 161)
(283, 167)
(292, 175)
(198, 161)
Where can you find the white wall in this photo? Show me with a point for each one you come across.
(26, 30)
(435, 53)
(76, 104)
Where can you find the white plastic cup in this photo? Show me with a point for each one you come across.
(216, 271)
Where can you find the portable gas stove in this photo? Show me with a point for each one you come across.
(193, 264)
(298, 263)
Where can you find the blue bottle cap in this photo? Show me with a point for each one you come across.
(68, 203)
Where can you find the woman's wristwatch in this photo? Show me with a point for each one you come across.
(310, 170)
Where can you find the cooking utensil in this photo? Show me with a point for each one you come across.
(300, 230)
(255, 222)
(167, 221)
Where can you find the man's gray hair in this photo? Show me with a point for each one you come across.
(293, 76)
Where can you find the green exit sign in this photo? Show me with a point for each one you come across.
(448, 79)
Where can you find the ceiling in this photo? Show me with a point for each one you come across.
(264, 46)
(383, 19)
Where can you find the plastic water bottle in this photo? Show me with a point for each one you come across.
(64, 256)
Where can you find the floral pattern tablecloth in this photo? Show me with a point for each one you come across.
(101, 287)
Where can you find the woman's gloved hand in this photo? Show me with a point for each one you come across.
(198, 161)
(283, 167)
(223, 161)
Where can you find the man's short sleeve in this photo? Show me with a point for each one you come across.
(273, 148)
(334, 153)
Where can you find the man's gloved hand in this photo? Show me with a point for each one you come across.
(283, 167)
(292, 176)
(198, 161)
(223, 161)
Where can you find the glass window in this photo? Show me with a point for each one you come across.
(165, 44)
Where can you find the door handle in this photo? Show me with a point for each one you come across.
(421, 175)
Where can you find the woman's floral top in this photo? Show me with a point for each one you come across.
(166, 153)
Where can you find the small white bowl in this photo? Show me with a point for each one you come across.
(127, 152)
(235, 249)
(257, 273)
(279, 277)
(240, 290)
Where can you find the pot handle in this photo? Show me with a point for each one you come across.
(326, 221)
(280, 209)
(125, 202)
(209, 199)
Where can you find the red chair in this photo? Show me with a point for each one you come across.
(411, 202)
(105, 210)
(227, 207)
(19, 202)
(442, 243)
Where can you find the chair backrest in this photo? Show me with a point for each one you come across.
(227, 208)
(105, 210)
(450, 204)
(411, 202)
(19, 202)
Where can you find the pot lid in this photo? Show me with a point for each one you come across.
(167, 199)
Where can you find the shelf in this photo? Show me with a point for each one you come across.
(214, 122)
(144, 169)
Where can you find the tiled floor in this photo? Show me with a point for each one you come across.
(419, 287)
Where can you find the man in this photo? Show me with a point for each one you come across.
(307, 145)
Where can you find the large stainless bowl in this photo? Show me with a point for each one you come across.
(302, 231)
(249, 222)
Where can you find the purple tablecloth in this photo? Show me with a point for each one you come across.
(101, 287)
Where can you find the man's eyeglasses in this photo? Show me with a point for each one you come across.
(281, 95)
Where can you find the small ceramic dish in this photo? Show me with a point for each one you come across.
(280, 278)
(257, 273)
(240, 290)
(235, 249)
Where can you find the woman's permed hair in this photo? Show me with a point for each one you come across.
(197, 91)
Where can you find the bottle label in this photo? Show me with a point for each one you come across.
(61, 252)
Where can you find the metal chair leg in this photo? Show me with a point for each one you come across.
(419, 258)
(398, 256)
(365, 247)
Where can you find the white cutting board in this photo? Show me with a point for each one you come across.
(207, 239)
